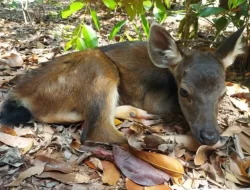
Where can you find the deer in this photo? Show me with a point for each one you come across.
(145, 81)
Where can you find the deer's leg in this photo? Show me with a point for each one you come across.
(99, 121)
(135, 114)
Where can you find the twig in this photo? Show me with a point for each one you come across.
(215, 183)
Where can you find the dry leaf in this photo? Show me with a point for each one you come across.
(240, 104)
(14, 141)
(158, 187)
(37, 169)
(244, 142)
(90, 164)
(27, 148)
(66, 178)
(54, 165)
(24, 131)
(165, 163)
(204, 150)
(117, 122)
(8, 130)
(130, 185)
(188, 141)
(232, 130)
(110, 173)
(137, 170)
(14, 60)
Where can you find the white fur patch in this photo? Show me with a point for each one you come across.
(64, 117)
(238, 49)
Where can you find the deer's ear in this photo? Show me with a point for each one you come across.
(163, 50)
(231, 48)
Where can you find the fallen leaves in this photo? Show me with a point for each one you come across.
(165, 163)
(66, 178)
(35, 170)
(110, 173)
(137, 170)
(14, 141)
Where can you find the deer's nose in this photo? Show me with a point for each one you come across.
(209, 136)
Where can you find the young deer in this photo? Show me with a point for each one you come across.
(155, 76)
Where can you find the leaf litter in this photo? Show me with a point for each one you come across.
(161, 156)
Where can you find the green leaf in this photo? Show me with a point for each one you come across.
(95, 19)
(110, 4)
(90, 36)
(76, 6)
(145, 25)
(167, 3)
(220, 23)
(196, 6)
(138, 32)
(147, 5)
(80, 44)
(208, 11)
(116, 29)
(239, 2)
(159, 11)
(66, 13)
(68, 45)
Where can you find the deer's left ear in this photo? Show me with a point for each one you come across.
(231, 48)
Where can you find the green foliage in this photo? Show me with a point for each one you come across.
(116, 29)
(236, 13)
(84, 36)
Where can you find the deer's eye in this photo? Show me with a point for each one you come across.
(183, 92)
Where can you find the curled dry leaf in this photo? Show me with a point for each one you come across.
(14, 60)
(110, 173)
(66, 178)
(54, 165)
(204, 150)
(137, 170)
(37, 169)
(14, 141)
(165, 163)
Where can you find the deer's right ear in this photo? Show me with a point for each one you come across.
(162, 48)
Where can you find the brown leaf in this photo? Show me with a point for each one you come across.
(15, 141)
(110, 173)
(37, 169)
(130, 185)
(158, 187)
(232, 130)
(204, 150)
(66, 178)
(90, 164)
(54, 165)
(165, 163)
(137, 170)
(8, 130)
(188, 141)
(14, 60)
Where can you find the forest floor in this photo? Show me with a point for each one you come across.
(42, 156)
